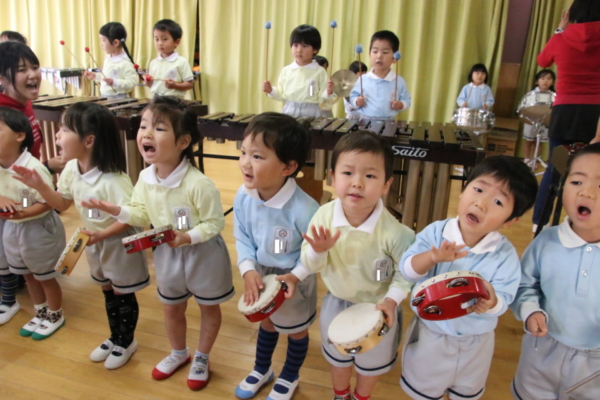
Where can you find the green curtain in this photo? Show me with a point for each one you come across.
(544, 20)
(439, 40)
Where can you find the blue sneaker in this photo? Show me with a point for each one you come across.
(247, 390)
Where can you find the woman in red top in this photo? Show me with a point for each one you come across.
(576, 53)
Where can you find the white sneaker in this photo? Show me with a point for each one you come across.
(247, 390)
(198, 376)
(101, 352)
(30, 327)
(119, 356)
(168, 366)
(291, 386)
(6, 312)
(49, 326)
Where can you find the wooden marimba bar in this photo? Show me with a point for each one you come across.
(425, 154)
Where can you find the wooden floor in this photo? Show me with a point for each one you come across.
(60, 368)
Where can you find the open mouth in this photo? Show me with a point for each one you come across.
(472, 218)
(32, 86)
(148, 148)
(583, 211)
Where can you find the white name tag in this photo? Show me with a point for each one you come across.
(93, 213)
(383, 270)
(312, 88)
(26, 197)
(282, 238)
(182, 218)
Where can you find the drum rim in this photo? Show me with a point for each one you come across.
(445, 277)
(372, 331)
(144, 234)
(268, 299)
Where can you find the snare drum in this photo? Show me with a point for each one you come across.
(536, 105)
(270, 299)
(72, 252)
(147, 239)
(474, 119)
(357, 329)
(448, 295)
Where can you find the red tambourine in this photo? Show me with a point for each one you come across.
(448, 295)
(147, 239)
(269, 300)
(6, 213)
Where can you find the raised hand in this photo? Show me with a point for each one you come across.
(30, 177)
(266, 87)
(322, 239)
(448, 252)
(105, 206)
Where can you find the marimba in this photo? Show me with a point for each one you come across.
(424, 153)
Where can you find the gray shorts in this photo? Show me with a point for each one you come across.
(110, 264)
(553, 368)
(202, 270)
(434, 364)
(34, 247)
(377, 361)
(299, 312)
(301, 109)
(3, 262)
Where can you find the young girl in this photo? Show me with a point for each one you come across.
(173, 191)
(303, 84)
(33, 236)
(476, 94)
(544, 82)
(118, 75)
(90, 141)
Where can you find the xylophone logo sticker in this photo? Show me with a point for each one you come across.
(409, 151)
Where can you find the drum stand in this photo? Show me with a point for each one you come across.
(538, 128)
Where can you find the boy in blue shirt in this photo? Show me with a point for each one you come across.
(377, 100)
(453, 356)
(271, 213)
(558, 296)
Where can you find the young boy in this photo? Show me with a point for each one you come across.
(558, 296)
(379, 84)
(368, 240)
(359, 69)
(169, 74)
(271, 213)
(453, 356)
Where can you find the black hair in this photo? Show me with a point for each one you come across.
(543, 73)
(12, 36)
(116, 31)
(478, 68)
(357, 67)
(589, 149)
(184, 122)
(18, 122)
(289, 138)
(168, 25)
(584, 11)
(517, 176)
(390, 36)
(322, 61)
(12, 54)
(308, 35)
(87, 119)
(365, 142)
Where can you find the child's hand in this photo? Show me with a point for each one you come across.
(105, 206)
(448, 252)
(360, 101)
(266, 87)
(388, 307)
(170, 84)
(253, 284)
(322, 239)
(95, 237)
(330, 87)
(90, 75)
(536, 324)
(564, 19)
(30, 177)
(149, 80)
(109, 81)
(464, 104)
(8, 205)
(291, 281)
(397, 105)
(181, 239)
(482, 304)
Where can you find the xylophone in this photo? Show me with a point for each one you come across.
(48, 109)
(425, 154)
(59, 77)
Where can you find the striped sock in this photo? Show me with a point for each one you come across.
(265, 346)
(296, 353)
(8, 285)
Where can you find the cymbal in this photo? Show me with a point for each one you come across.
(343, 81)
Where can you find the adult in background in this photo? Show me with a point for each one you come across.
(575, 49)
